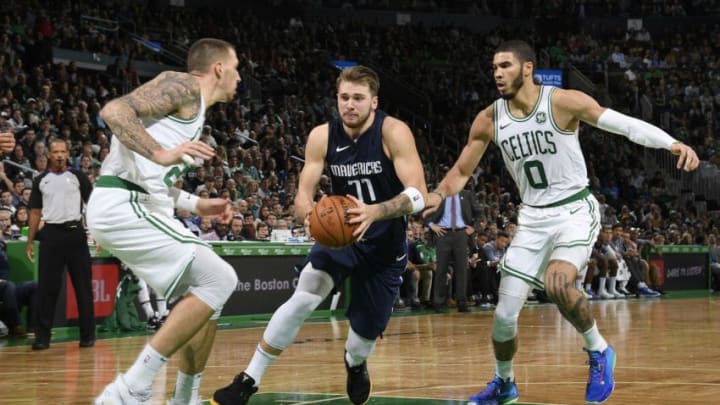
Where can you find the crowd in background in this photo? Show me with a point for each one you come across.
(671, 79)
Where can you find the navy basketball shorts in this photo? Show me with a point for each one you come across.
(375, 280)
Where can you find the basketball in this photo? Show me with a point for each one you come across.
(328, 222)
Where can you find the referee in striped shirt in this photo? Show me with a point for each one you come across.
(57, 197)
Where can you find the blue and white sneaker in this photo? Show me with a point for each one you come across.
(648, 292)
(601, 382)
(498, 391)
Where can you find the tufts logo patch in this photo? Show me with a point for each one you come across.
(541, 117)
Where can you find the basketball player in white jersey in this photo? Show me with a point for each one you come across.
(130, 213)
(536, 128)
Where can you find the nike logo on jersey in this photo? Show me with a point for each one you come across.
(399, 258)
(505, 126)
(341, 148)
(575, 210)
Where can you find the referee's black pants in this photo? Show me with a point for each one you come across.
(62, 246)
(451, 247)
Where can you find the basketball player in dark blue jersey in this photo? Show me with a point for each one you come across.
(372, 158)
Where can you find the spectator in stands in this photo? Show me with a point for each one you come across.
(236, 227)
(494, 251)
(714, 251)
(6, 201)
(638, 267)
(6, 222)
(14, 295)
(20, 218)
(263, 232)
(480, 274)
(207, 228)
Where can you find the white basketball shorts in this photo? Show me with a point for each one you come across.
(567, 233)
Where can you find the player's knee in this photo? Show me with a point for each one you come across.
(504, 327)
(504, 324)
(215, 283)
(303, 303)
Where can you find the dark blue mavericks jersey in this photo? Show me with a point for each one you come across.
(375, 264)
(361, 169)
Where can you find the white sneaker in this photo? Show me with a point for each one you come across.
(118, 393)
(604, 295)
(623, 290)
(617, 294)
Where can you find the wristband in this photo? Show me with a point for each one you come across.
(187, 201)
(416, 198)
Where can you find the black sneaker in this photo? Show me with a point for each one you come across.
(154, 323)
(237, 393)
(358, 383)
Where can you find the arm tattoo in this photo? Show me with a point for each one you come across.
(395, 207)
(166, 94)
(572, 304)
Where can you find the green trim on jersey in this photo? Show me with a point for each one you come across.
(552, 117)
(522, 276)
(532, 113)
(160, 225)
(575, 197)
(117, 182)
(173, 286)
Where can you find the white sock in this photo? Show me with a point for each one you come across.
(601, 284)
(162, 306)
(504, 369)
(594, 340)
(588, 286)
(613, 282)
(258, 364)
(578, 284)
(148, 309)
(641, 285)
(187, 388)
(148, 364)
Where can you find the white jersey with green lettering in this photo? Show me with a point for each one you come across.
(156, 179)
(545, 161)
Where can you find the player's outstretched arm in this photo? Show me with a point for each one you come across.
(400, 147)
(479, 137)
(165, 94)
(585, 108)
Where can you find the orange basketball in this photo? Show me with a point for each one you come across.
(328, 222)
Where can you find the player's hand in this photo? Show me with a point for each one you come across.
(363, 215)
(185, 152)
(687, 158)
(7, 141)
(215, 207)
(432, 202)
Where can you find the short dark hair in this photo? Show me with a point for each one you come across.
(503, 234)
(360, 74)
(205, 51)
(522, 50)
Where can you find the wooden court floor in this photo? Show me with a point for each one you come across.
(668, 353)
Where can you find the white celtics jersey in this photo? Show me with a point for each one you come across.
(546, 162)
(156, 179)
